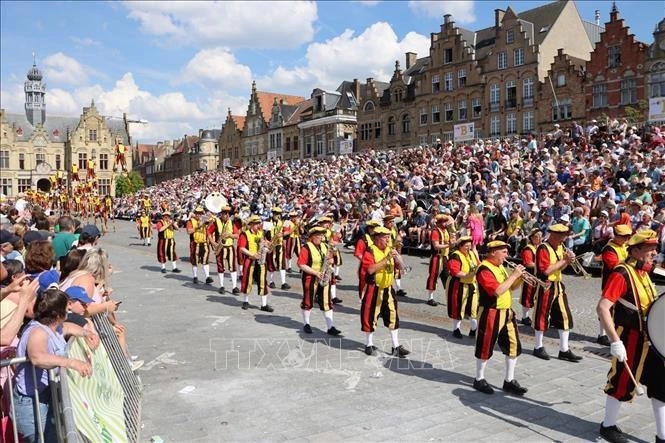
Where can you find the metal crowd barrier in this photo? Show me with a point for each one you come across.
(61, 403)
(131, 384)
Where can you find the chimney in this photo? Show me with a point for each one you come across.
(356, 89)
(597, 17)
(370, 80)
(498, 16)
(446, 19)
(411, 58)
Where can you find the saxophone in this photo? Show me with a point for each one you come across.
(263, 253)
(326, 269)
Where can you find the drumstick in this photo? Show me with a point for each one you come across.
(639, 390)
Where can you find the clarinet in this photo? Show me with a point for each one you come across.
(327, 271)
(264, 253)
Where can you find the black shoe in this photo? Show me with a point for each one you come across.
(457, 333)
(195, 281)
(603, 340)
(541, 353)
(482, 386)
(432, 302)
(472, 333)
(526, 321)
(176, 270)
(267, 308)
(235, 291)
(221, 290)
(336, 301)
(286, 286)
(613, 434)
(514, 388)
(333, 331)
(400, 352)
(307, 329)
(209, 280)
(163, 270)
(289, 270)
(401, 293)
(369, 350)
(245, 305)
(338, 278)
(569, 356)
(659, 440)
(272, 285)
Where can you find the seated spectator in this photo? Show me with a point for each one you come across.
(43, 343)
(580, 230)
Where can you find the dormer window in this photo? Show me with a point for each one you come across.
(510, 36)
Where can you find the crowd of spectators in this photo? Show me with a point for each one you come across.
(589, 178)
(53, 278)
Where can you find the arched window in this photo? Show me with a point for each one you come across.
(369, 106)
(391, 125)
(406, 124)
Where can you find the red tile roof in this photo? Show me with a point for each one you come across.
(266, 100)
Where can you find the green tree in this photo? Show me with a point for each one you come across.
(129, 184)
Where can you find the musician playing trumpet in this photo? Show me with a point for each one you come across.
(166, 242)
(496, 318)
(221, 236)
(395, 243)
(528, 255)
(551, 306)
(292, 231)
(461, 287)
(332, 240)
(316, 263)
(253, 250)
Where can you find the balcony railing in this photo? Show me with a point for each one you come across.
(494, 107)
(527, 102)
(511, 103)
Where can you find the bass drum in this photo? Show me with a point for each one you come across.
(656, 325)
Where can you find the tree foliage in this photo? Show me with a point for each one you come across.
(128, 184)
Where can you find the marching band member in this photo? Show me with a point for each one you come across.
(108, 212)
(497, 319)
(198, 245)
(528, 255)
(147, 203)
(276, 260)
(364, 243)
(119, 158)
(250, 245)
(378, 298)
(438, 268)
(311, 261)
(143, 225)
(551, 304)
(293, 232)
(332, 242)
(613, 254)
(630, 292)
(395, 240)
(75, 173)
(221, 231)
(461, 290)
(91, 169)
(166, 228)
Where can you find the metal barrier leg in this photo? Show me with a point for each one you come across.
(12, 406)
(38, 413)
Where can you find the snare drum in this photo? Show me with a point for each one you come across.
(655, 322)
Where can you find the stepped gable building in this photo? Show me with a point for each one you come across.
(330, 128)
(36, 146)
(230, 141)
(490, 77)
(655, 63)
(255, 142)
(615, 71)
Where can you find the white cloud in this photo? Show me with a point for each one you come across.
(254, 24)
(12, 97)
(217, 66)
(61, 68)
(87, 41)
(461, 10)
(370, 54)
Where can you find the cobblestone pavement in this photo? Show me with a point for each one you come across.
(214, 372)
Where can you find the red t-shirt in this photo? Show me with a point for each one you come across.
(487, 281)
(303, 257)
(615, 287)
(543, 259)
(610, 258)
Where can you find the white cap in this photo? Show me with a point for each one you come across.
(581, 200)
(564, 218)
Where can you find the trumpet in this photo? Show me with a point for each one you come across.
(400, 261)
(577, 267)
(529, 278)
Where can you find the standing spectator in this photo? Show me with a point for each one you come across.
(63, 240)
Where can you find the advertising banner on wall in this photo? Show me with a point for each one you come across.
(463, 132)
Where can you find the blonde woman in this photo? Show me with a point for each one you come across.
(93, 275)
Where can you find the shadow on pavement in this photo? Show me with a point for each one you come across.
(229, 300)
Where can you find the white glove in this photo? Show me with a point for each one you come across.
(618, 350)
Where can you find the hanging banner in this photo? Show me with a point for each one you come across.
(463, 132)
(657, 109)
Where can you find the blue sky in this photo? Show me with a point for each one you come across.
(181, 65)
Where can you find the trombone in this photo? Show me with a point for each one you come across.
(577, 267)
(529, 278)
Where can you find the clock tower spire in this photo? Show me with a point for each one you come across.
(35, 91)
